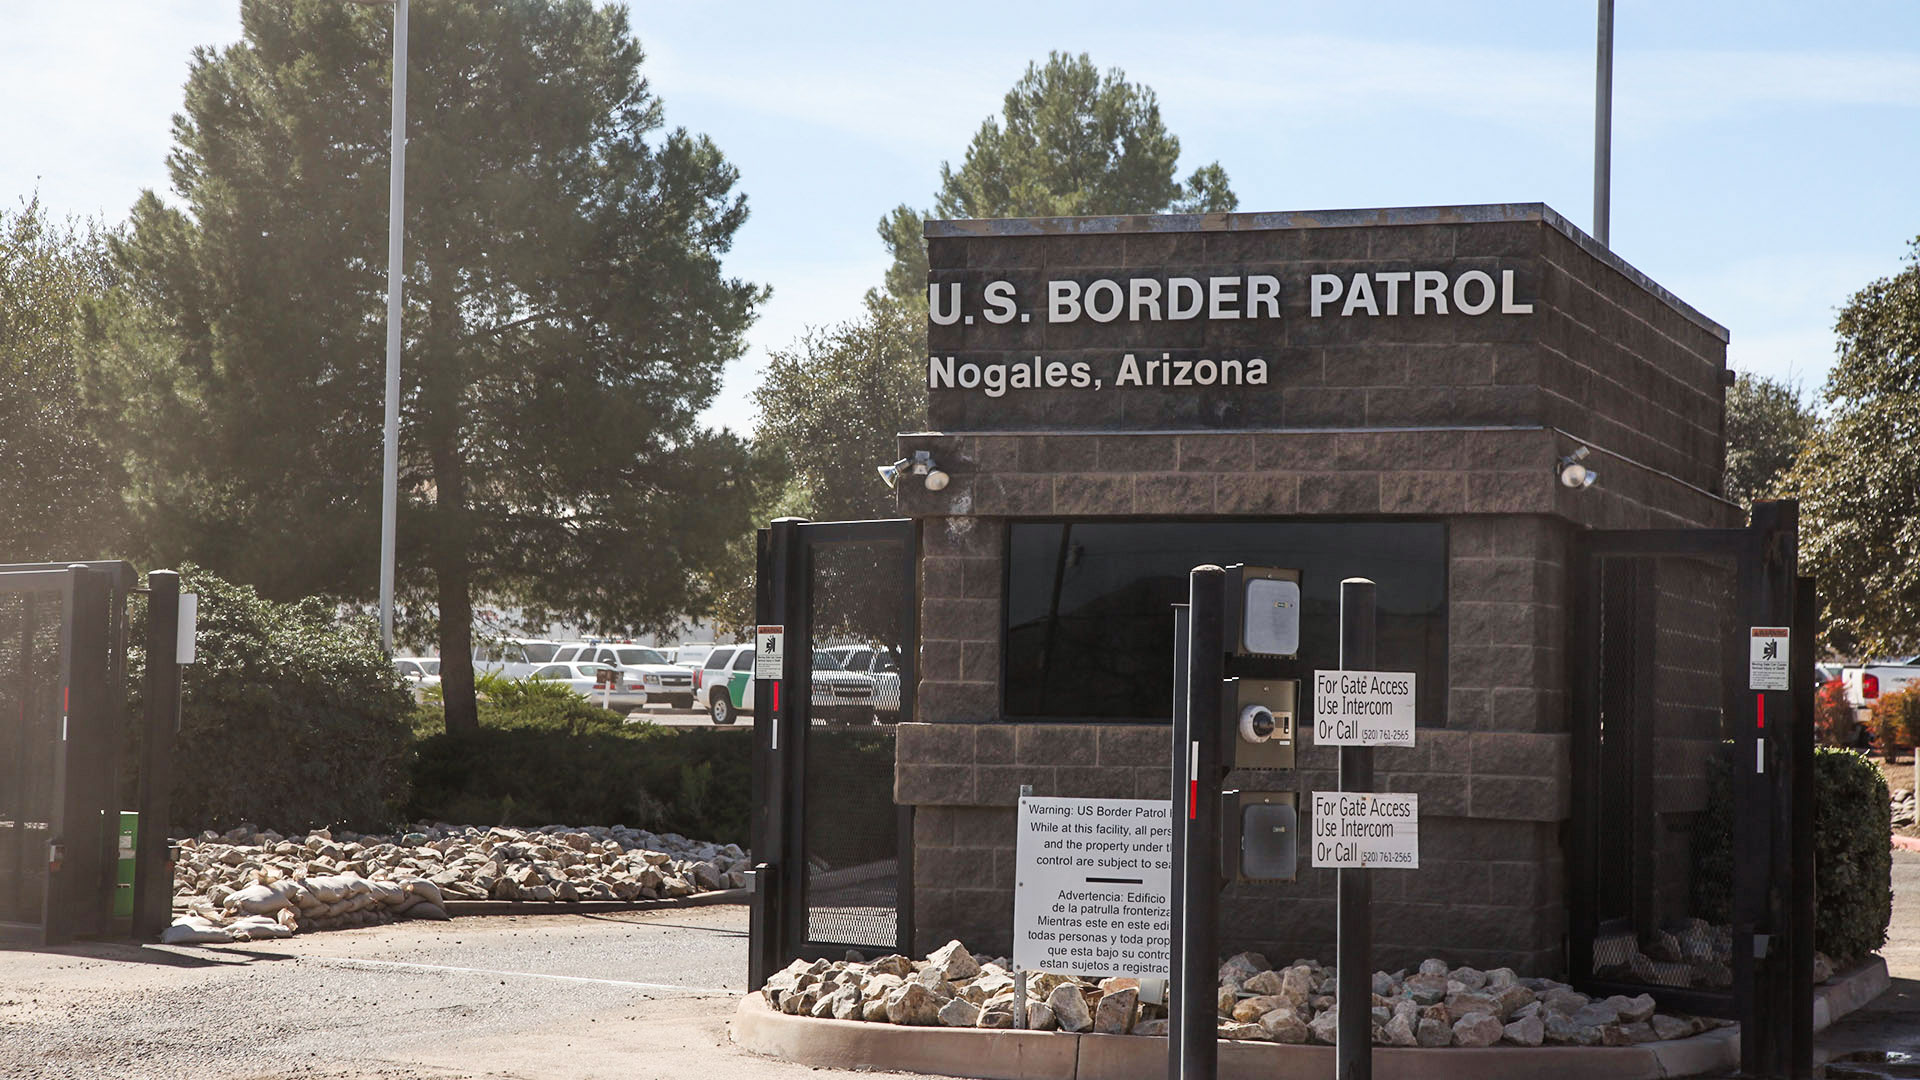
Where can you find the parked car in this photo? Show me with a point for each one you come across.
(1865, 683)
(420, 672)
(879, 664)
(692, 654)
(664, 682)
(725, 683)
(514, 658)
(839, 696)
(607, 687)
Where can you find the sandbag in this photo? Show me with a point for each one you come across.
(425, 890)
(263, 898)
(258, 928)
(193, 930)
(425, 910)
(388, 893)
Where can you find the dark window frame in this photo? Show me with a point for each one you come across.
(1006, 576)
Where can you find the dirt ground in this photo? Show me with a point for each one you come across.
(632, 997)
(564, 997)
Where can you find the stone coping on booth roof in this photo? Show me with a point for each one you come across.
(1470, 214)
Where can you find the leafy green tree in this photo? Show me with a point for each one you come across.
(59, 495)
(831, 404)
(1070, 141)
(1858, 479)
(1766, 425)
(567, 318)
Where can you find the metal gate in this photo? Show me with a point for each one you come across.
(1692, 850)
(834, 854)
(62, 720)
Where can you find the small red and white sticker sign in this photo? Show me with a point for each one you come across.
(769, 651)
(1767, 667)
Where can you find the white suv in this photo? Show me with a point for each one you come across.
(663, 682)
(879, 665)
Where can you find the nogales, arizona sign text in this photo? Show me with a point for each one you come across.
(1172, 299)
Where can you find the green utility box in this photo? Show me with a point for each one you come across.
(123, 880)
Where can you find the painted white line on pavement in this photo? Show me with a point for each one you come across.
(350, 961)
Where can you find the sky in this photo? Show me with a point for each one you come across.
(1764, 153)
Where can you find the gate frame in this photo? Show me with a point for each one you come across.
(782, 724)
(93, 598)
(1773, 875)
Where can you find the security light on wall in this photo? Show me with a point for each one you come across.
(1574, 473)
(921, 465)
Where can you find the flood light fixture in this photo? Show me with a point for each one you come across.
(921, 465)
(1573, 471)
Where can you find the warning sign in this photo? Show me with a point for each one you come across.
(1767, 658)
(1093, 886)
(1363, 708)
(769, 651)
(1362, 829)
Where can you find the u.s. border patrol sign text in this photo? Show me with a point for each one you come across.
(1366, 830)
(1093, 886)
(1153, 301)
(1363, 708)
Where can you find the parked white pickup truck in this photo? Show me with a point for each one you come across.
(1866, 682)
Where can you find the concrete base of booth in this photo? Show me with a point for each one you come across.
(1054, 1055)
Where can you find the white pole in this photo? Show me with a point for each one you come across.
(396, 271)
(1602, 125)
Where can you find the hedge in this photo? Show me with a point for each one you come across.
(290, 718)
(1853, 860)
(548, 759)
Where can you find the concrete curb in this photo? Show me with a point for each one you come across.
(1039, 1055)
(1849, 990)
(854, 1044)
(462, 908)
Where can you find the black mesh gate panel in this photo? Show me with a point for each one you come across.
(833, 854)
(1689, 851)
(859, 630)
(1664, 725)
(32, 614)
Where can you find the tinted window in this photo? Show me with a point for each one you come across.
(860, 660)
(1089, 631)
(635, 657)
(554, 671)
(568, 653)
(718, 658)
(743, 660)
(824, 661)
(431, 667)
(540, 652)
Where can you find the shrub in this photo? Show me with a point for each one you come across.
(1853, 862)
(290, 718)
(546, 760)
(1833, 719)
(1896, 720)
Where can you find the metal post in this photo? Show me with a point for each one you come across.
(1603, 125)
(396, 273)
(1196, 834)
(1353, 1044)
(1806, 614)
(153, 866)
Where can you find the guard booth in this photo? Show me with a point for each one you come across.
(63, 727)
(1517, 434)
